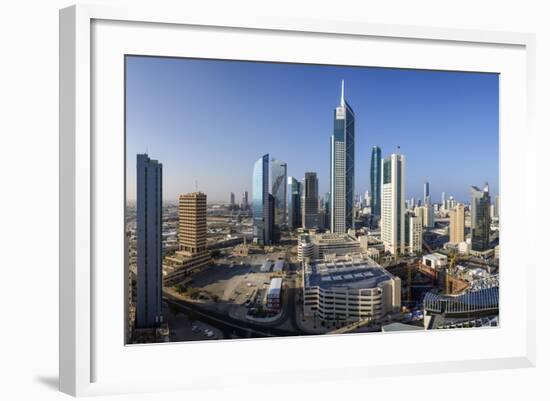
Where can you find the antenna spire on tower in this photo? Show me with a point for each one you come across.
(342, 101)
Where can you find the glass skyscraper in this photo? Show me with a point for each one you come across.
(375, 186)
(310, 201)
(261, 213)
(480, 210)
(278, 190)
(149, 242)
(342, 168)
(294, 203)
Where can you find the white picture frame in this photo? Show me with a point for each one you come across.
(92, 38)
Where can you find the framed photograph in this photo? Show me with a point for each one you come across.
(329, 192)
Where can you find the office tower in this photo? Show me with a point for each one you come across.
(393, 204)
(413, 233)
(192, 224)
(244, 201)
(342, 168)
(426, 193)
(480, 220)
(456, 225)
(262, 223)
(192, 254)
(278, 190)
(274, 229)
(443, 200)
(232, 200)
(310, 195)
(149, 242)
(497, 207)
(294, 203)
(375, 185)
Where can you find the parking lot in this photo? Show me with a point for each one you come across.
(234, 282)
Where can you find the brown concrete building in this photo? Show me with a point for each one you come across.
(192, 223)
(193, 252)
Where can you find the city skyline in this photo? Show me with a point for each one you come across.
(236, 123)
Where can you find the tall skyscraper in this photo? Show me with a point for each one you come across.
(294, 203)
(244, 201)
(392, 221)
(310, 201)
(262, 219)
(426, 192)
(342, 168)
(278, 190)
(149, 242)
(456, 225)
(375, 185)
(443, 200)
(192, 224)
(232, 199)
(497, 206)
(480, 218)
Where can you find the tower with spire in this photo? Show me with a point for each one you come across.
(342, 167)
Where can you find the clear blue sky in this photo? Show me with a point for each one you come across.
(210, 120)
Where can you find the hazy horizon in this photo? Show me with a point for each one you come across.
(208, 121)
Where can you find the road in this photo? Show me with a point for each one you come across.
(229, 326)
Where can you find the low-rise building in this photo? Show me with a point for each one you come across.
(273, 297)
(435, 260)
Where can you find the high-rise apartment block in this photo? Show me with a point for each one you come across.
(456, 225)
(342, 168)
(393, 204)
(413, 233)
(149, 242)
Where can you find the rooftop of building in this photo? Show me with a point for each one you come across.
(349, 272)
(332, 239)
(275, 287)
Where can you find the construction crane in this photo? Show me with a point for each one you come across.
(450, 266)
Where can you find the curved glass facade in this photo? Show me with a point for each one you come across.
(477, 301)
(278, 190)
(342, 168)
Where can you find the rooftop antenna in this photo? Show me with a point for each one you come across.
(398, 149)
(342, 101)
